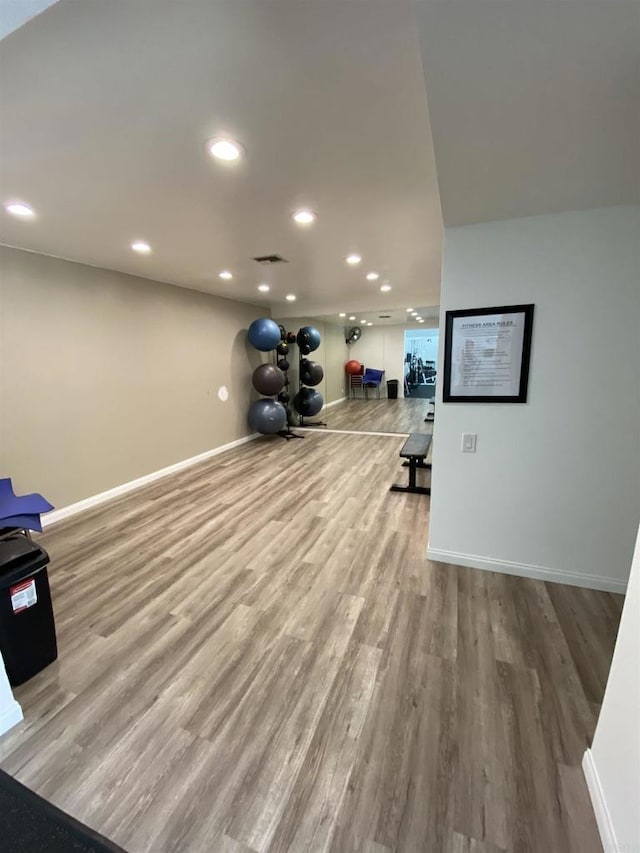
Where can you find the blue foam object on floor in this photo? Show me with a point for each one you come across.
(13, 506)
(31, 521)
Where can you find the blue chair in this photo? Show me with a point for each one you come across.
(372, 379)
(21, 511)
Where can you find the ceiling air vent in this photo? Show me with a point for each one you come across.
(271, 259)
(384, 316)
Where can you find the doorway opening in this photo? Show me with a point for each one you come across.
(420, 362)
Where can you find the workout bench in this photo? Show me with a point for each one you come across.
(415, 450)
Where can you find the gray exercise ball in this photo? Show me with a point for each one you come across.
(268, 379)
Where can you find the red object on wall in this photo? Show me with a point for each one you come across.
(353, 367)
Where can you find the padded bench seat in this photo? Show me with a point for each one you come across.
(415, 450)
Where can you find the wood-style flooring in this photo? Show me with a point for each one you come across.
(403, 415)
(255, 655)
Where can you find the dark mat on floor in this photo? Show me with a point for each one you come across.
(426, 392)
(29, 824)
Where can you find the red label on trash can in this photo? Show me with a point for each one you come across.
(23, 595)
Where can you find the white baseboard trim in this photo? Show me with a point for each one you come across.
(603, 818)
(95, 500)
(335, 402)
(323, 430)
(526, 570)
(10, 717)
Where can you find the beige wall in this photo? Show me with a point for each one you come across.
(105, 377)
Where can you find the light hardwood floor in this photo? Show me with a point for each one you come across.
(255, 655)
(403, 415)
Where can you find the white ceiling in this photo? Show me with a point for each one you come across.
(106, 106)
(534, 105)
(391, 317)
(15, 13)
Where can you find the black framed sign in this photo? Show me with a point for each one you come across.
(486, 354)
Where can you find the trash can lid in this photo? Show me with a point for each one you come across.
(18, 552)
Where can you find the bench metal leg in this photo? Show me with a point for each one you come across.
(412, 487)
(426, 465)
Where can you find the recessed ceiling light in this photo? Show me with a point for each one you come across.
(409, 309)
(342, 314)
(353, 260)
(369, 324)
(372, 276)
(226, 275)
(263, 288)
(304, 216)
(352, 317)
(414, 313)
(385, 288)
(223, 148)
(141, 247)
(290, 297)
(420, 321)
(19, 208)
(363, 321)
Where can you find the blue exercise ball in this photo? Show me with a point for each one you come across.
(313, 337)
(308, 402)
(264, 334)
(267, 417)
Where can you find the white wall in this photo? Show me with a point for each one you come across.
(10, 710)
(425, 341)
(613, 765)
(336, 354)
(382, 348)
(554, 488)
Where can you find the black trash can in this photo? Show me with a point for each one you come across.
(392, 389)
(27, 629)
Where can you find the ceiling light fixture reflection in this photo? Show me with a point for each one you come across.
(409, 309)
(385, 288)
(141, 247)
(20, 209)
(420, 321)
(304, 216)
(264, 288)
(290, 297)
(342, 314)
(354, 259)
(352, 316)
(226, 275)
(414, 313)
(372, 276)
(225, 149)
(369, 324)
